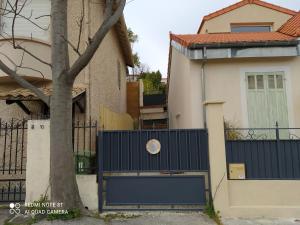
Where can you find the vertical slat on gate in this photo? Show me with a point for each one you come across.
(17, 143)
(100, 171)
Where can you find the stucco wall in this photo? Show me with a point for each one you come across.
(100, 77)
(225, 80)
(245, 198)
(184, 100)
(40, 49)
(250, 13)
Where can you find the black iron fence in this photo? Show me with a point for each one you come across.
(13, 141)
(13, 155)
(84, 146)
(268, 153)
(12, 190)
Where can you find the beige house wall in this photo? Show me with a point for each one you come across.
(38, 48)
(245, 198)
(250, 13)
(100, 77)
(184, 100)
(226, 81)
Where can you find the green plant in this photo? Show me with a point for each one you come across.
(72, 214)
(39, 204)
(210, 211)
(230, 133)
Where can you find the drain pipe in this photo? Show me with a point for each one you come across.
(203, 87)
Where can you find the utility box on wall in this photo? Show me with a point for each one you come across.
(237, 171)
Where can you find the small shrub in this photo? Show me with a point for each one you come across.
(72, 214)
(210, 211)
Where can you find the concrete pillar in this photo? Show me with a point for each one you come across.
(217, 156)
(38, 167)
(38, 159)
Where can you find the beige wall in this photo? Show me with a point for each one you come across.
(100, 77)
(38, 167)
(246, 14)
(184, 98)
(88, 190)
(38, 160)
(40, 49)
(225, 80)
(245, 198)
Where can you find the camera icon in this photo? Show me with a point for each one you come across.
(15, 208)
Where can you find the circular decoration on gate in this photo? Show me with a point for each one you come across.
(153, 146)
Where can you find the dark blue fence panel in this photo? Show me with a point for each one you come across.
(266, 159)
(181, 150)
(155, 190)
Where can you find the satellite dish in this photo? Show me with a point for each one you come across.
(153, 146)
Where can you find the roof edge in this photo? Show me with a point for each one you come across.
(241, 4)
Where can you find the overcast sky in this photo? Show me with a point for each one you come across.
(153, 19)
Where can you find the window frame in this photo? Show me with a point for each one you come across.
(245, 25)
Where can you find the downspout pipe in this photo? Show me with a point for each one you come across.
(203, 86)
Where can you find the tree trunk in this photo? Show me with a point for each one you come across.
(62, 173)
(63, 183)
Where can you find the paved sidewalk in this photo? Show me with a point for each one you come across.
(146, 218)
(4, 214)
(261, 222)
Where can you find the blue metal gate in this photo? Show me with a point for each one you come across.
(134, 176)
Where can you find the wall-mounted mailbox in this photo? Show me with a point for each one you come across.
(237, 171)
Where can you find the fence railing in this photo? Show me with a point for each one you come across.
(13, 141)
(84, 146)
(13, 147)
(12, 190)
(273, 133)
(268, 153)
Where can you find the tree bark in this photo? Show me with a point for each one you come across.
(63, 183)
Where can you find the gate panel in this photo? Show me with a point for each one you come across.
(181, 150)
(123, 156)
(155, 190)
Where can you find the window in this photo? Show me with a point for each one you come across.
(260, 81)
(279, 81)
(251, 82)
(39, 25)
(267, 102)
(239, 28)
(271, 82)
(255, 82)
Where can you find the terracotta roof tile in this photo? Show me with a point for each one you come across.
(243, 3)
(23, 93)
(190, 39)
(292, 26)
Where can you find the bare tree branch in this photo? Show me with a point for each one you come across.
(109, 21)
(72, 46)
(42, 16)
(16, 12)
(80, 24)
(24, 83)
